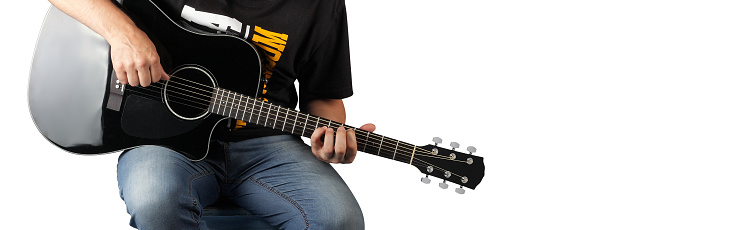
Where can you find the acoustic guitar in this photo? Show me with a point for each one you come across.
(78, 104)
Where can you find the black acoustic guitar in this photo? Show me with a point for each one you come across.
(77, 103)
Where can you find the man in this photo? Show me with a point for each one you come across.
(269, 173)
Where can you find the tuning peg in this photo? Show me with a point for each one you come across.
(455, 145)
(437, 140)
(443, 185)
(426, 179)
(471, 149)
(460, 190)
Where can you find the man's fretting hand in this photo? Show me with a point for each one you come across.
(337, 147)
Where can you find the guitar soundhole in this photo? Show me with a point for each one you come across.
(188, 93)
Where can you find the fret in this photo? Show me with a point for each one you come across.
(254, 106)
(268, 115)
(310, 130)
(214, 100)
(245, 109)
(226, 107)
(219, 101)
(304, 128)
(276, 117)
(235, 95)
(396, 149)
(258, 110)
(366, 142)
(225, 103)
(293, 119)
(412, 156)
(380, 147)
(293, 127)
(236, 105)
(228, 104)
(285, 120)
(250, 111)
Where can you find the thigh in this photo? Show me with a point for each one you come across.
(162, 188)
(280, 179)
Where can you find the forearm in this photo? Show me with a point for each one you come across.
(332, 109)
(102, 16)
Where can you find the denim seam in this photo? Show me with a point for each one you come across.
(226, 153)
(282, 195)
(195, 202)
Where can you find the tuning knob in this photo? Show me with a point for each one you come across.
(443, 185)
(437, 140)
(460, 190)
(455, 145)
(426, 179)
(471, 149)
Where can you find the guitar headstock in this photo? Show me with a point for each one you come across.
(464, 169)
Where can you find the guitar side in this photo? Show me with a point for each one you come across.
(67, 83)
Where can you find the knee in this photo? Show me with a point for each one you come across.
(341, 216)
(155, 189)
(152, 206)
(150, 200)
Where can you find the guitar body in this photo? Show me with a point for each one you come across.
(78, 105)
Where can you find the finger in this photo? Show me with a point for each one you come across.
(351, 147)
(369, 127)
(316, 139)
(164, 75)
(327, 146)
(145, 78)
(121, 75)
(133, 76)
(340, 145)
(156, 72)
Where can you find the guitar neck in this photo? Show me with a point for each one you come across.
(252, 110)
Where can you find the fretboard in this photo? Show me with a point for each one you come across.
(252, 110)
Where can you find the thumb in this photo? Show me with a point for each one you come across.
(369, 127)
(164, 76)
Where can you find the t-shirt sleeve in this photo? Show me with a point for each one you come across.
(327, 73)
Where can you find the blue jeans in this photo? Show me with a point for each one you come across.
(276, 177)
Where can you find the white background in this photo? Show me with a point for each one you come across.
(590, 115)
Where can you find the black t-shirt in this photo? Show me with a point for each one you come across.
(304, 40)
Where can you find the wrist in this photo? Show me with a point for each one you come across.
(120, 32)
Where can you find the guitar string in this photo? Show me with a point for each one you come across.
(311, 128)
(276, 117)
(159, 98)
(419, 162)
(303, 128)
(287, 110)
(261, 106)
